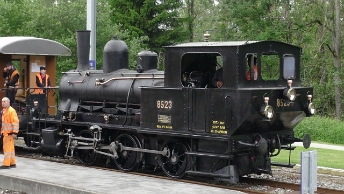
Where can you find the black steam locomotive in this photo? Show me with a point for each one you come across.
(176, 119)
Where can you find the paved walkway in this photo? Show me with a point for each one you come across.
(42, 177)
(322, 145)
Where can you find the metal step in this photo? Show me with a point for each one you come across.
(33, 133)
(206, 154)
(208, 174)
(282, 164)
(288, 147)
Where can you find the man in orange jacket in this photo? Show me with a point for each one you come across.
(9, 131)
(12, 81)
(42, 81)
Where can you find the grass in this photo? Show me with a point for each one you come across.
(321, 129)
(326, 157)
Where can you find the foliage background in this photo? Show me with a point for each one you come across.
(151, 24)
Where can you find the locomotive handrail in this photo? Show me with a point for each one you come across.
(142, 74)
(83, 78)
(98, 82)
(71, 72)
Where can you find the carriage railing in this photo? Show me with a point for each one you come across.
(24, 99)
(50, 92)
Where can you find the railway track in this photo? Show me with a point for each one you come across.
(247, 185)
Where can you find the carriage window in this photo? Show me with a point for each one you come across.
(270, 67)
(288, 67)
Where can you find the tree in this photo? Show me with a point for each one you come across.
(336, 42)
(201, 16)
(158, 20)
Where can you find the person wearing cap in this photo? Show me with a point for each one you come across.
(35, 111)
(42, 81)
(12, 81)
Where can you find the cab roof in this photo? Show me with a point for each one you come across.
(200, 44)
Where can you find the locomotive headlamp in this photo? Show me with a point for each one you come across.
(310, 106)
(266, 110)
(289, 92)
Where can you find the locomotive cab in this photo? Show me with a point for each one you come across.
(275, 89)
(256, 114)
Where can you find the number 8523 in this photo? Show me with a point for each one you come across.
(164, 104)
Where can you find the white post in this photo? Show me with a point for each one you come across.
(91, 25)
(309, 172)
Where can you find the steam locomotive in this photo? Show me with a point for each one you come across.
(176, 120)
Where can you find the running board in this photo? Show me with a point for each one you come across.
(282, 164)
(29, 148)
(205, 154)
(208, 174)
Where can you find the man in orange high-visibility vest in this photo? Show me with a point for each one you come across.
(42, 81)
(12, 81)
(9, 131)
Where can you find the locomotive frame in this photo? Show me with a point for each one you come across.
(177, 120)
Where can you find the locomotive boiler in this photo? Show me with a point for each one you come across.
(115, 84)
(176, 120)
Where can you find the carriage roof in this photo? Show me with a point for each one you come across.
(20, 45)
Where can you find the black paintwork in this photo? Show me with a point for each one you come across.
(218, 126)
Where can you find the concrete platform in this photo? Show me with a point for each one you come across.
(41, 177)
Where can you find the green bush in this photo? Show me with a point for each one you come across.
(321, 129)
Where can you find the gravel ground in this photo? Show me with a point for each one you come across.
(5, 191)
(327, 178)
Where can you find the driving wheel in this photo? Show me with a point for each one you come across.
(175, 164)
(128, 160)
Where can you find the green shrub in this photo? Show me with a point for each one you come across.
(321, 129)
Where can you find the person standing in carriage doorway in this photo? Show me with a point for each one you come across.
(9, 131)
(42, 81)
(12, 81)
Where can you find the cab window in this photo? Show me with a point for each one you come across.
(270, 67)
(288, 67)
(197, 69)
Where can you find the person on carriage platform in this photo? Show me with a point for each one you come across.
(12, 81)
(42, 81)
(36, 111)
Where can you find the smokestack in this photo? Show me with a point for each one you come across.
(83, 45)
